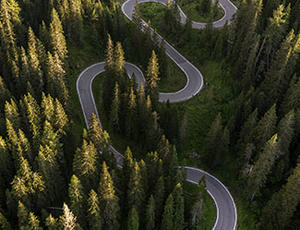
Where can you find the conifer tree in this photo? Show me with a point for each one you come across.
(34, 63)
(133, 219)
(214, 136)
(285, 132)
(115, 108)
(61, 120)
(4, 224)
(22, 214)
(265, 127)
(57, 38)
(75, 21)
(52, 223)
(280, 208)
(68, 220)
(77, 198)
(159, 196)
(262, 167)
(119, 60)
(152, 72)
(135, 188)
(247, 130)
(292, 96)
(47, 106)
(85, 165)
(99, 137)
(12, 113)
(4, 92)
(178, 207)
(168, 215)
(6, 164)
(33, 222)
(109, 54)
(131, 116)
(108, 200)
(197, 210)
(94, 217)
(49, 169)
(150, 214)
(26, 184)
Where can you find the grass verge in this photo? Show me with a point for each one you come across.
(190, 8)
(191, 192)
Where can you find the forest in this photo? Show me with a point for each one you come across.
(244, 125)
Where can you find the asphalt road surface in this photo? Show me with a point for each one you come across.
(226, 210)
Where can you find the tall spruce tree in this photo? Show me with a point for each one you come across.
(133, 219)
(262, 167)
(108, 200)
(150, 214)
(280, 208)
(168, 215)
(94, 217)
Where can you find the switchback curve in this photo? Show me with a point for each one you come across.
(226, 209)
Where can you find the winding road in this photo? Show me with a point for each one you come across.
(226, 209)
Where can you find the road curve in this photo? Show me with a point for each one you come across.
(226, 209)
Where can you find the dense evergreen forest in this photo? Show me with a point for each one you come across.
(51, 173)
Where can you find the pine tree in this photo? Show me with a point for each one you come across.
(281, 207)
(152, 72)
(77, 198)
(119, 60)
(94, 217)
(26, 184)
(52, 223)
(33, 222)
(292, 96)
(4, 92)
(99, 137)
(75, 21)
(34, 63)
(247, 130)
(33, 116)
(108, 200)
(133, 219)
(135, 191)
(159, 196)
(109, 54)
(168, 215)
(85, 165)
(4, 224)
(277, 75)
(115, 108)
(49, 169)
(262, 167)
(6, 165)
(57, 38)
(12, 113)
(285, 132)
(150, 214)
(22, 214)
(131, 116)
(47, 106)
(213, 136)
(197, 210)
(179, 207)
(68, 219)
(61, 120)
(265, 128)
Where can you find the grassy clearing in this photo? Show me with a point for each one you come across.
(190, 195)
(190, 10)
(175, 81)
